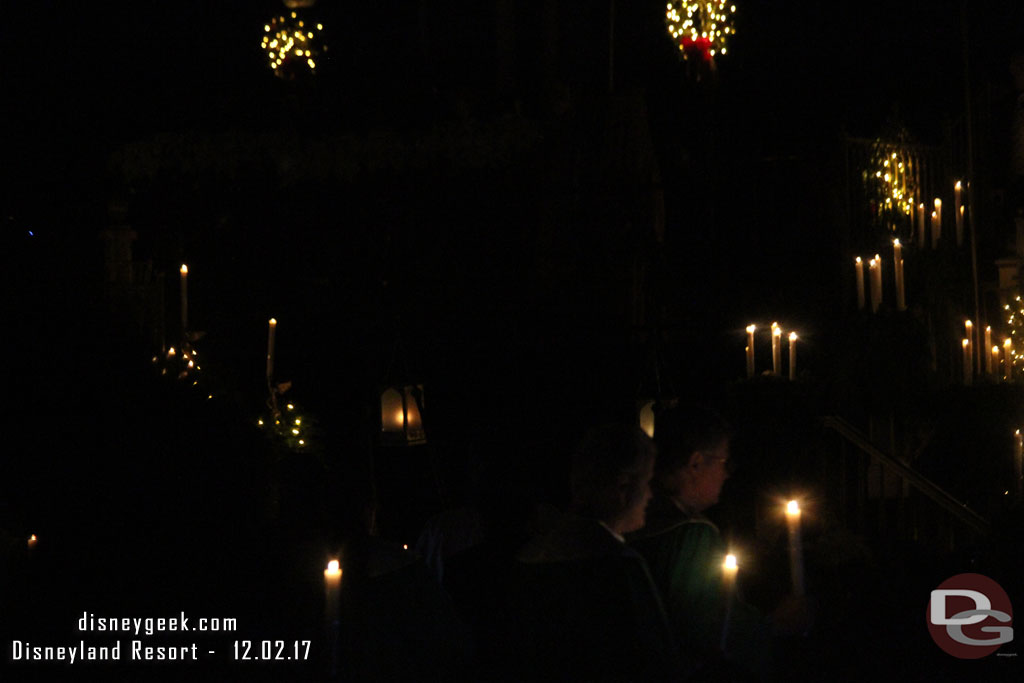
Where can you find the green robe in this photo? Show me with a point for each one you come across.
(685, 554)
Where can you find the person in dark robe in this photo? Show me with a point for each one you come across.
(720, 638)
(583, 605)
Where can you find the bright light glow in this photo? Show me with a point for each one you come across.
(699, 29)
(730, 562)
(184, 269)
(792, 508)
(792, 336)
(333, 570)
(751, 328)
(290, 46)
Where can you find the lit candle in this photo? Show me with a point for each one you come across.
(938, 216)
(792, 356)
(988, 345)
(967, 362)
(875, 271)
(796, 553)
(1008, 359)
(271, 330)
(897, 259)
(958, 207)
(776, 349)
(969, 331)
(184, 301)
(921, 227)
(858, 267)
(332, 604)
(750, 350)
(994, 361)
(935, 230)
(729, 569)
(33, 541)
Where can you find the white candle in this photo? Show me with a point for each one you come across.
(792, 356)
(897, 259)
(967, 362)
(332, 587)
(796, 553)
(184, 301)
(729, 569)
(776, 349)
(994, 362)
(875, 271)
(958, 207)
(921, 226)
(969, 331)
(858, 267)
(938, 216)
(332, 612)
(750, 350)
(988, 345)
(271, 330)
(1008, 359)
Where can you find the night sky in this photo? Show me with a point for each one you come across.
(455, 198)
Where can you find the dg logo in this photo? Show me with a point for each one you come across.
(969, 616)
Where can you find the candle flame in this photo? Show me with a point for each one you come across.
(774, 325)
(1007, 343)
(857, 260)
(958, 185)
(792, 336)
(896, 242)
(792, 508)
(776, 331)
(751, 328)
(938, 203)
(730, 562)
(273, 322)
(964, 342)
(184, 269)
(333, 569)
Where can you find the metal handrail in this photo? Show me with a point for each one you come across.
(919, 481)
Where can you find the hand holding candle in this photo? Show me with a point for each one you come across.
(729, 569)
(796, 552)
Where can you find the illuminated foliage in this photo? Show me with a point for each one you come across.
(891, 184)
(700, 29)
(292, 45)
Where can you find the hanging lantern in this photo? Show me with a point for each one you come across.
(401, 416)
(647, 417)
(700, 29)
(648, 410)
(292, 44)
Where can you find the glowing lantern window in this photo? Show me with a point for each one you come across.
(401, 416)
(647, 417)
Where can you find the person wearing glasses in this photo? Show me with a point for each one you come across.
(685, 553)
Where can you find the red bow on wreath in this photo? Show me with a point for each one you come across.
(697, 47)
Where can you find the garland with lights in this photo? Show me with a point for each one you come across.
(891, 185)
(700, 29)
(292, 47)
(291, 428)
